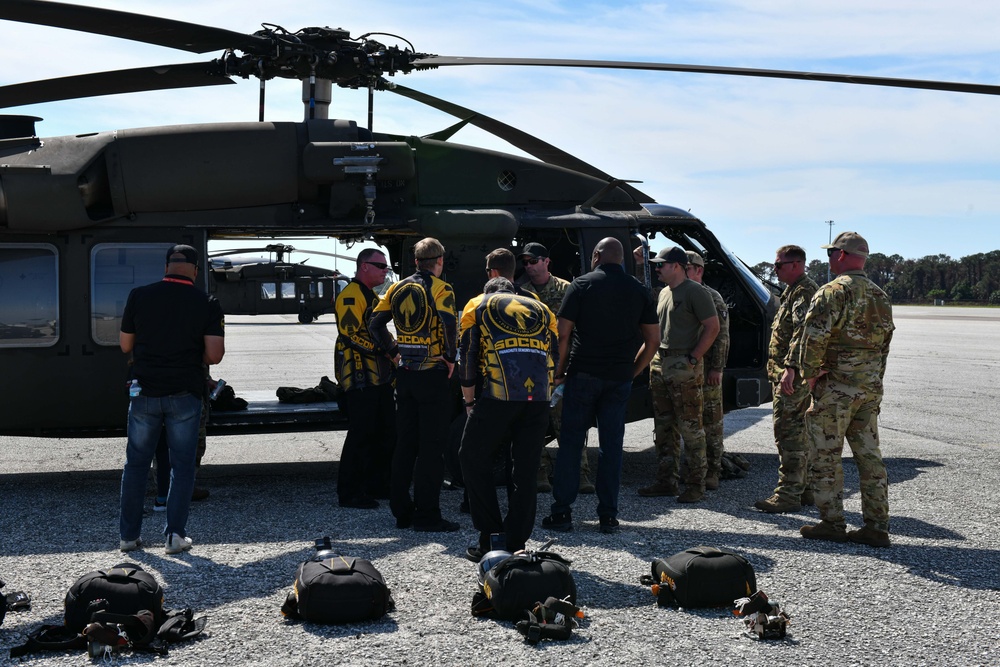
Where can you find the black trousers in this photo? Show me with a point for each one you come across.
(366, 460)
(423, 413)
(491, 425)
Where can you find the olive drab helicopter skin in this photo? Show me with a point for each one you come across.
(85, 218)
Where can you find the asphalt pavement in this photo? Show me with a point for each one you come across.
(931, 599)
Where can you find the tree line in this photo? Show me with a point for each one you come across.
(975, 278)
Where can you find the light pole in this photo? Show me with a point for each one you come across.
(829, 242)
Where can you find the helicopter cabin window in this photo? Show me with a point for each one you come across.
(287, 290)
(268, 291)
(115, 269)
(29, 282)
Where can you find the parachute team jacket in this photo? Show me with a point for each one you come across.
(847, 332)
(422, 308)
(511, 349)
(359, 360)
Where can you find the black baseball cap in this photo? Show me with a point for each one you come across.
(535, 251)
(182, 254)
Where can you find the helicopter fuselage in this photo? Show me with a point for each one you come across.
(85, 218)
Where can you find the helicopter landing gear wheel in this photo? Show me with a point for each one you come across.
(305, 317)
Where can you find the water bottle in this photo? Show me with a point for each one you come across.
(134, 389)
(557, 396)
(218, 390)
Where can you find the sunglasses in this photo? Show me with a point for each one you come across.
(830, 251)
(778, 265)
(531, 262)
(378, 265)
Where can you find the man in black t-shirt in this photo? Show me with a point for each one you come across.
(603, 316)
(173, 330)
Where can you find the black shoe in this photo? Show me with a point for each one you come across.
(441, 526)
(474, 553)
(403, 523)
(562, 523)
(360, 503)
(609, 525)
(199, 494)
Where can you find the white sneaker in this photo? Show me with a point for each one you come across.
(176, 544)
(130, 545)
(159, 507)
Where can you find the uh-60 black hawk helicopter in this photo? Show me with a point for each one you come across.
(273, 286)
(85, 218)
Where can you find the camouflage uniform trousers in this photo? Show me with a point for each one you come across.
(712, 421)
(840, 410)
(791, 436)
(676, 389)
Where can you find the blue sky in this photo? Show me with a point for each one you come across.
(762, 162)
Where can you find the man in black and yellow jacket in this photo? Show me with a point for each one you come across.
(422, 309)
(510, 352)
(364, 371)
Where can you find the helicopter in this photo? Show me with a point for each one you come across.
(276, 286)
(85, 218)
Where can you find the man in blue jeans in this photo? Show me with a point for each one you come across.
(604, 316)
(172, 330)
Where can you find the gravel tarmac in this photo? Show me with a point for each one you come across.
(933, 598)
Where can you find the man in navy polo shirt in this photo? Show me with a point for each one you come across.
(173, 331)
(604, 316)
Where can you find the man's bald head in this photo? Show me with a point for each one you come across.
(609, 251)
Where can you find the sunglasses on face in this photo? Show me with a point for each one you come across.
(379, 265)
(530, 262)
(831, 251)
(778, 265)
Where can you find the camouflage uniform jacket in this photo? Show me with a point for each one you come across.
(787, 324)
(718, 354)
(847, 332)
(551, 293)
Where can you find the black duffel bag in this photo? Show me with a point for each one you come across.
(338, 589)
(701, 577)
(124, 589)
(515, 585)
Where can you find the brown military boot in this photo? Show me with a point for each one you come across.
(692, 494)
(711, 482)
(869, 536)
(660, 487)
(824, 530)
(777, 505)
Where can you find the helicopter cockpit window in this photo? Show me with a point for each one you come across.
(116, 268)
(29, 280)
(268, 291)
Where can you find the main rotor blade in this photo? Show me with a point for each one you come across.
(187, 75)
(956, 87)
(126, 25)
(531, 145)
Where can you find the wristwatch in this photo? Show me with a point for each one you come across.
(692, 360)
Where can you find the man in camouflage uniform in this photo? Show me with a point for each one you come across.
(711, 390)
(550, 290)
(842, 353)
(790, 393)
(689, 325)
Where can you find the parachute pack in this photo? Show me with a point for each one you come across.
(331, 588)
(111, 610)
(701, 577)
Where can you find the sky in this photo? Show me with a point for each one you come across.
(763, 162)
